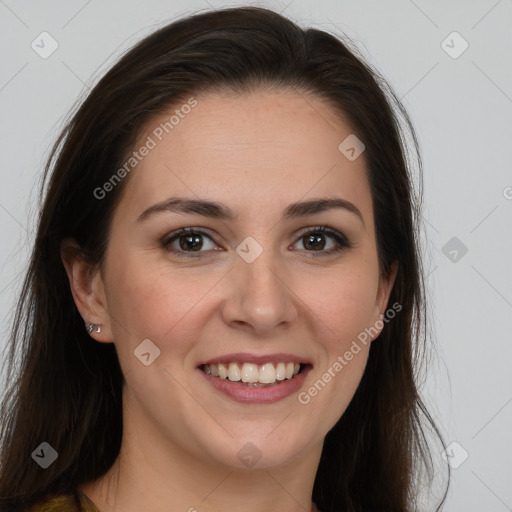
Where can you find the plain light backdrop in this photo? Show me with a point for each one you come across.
(449, 62)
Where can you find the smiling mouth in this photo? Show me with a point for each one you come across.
(254, 375)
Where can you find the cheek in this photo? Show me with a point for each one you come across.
(342, 308)
(342, 303)
(148, 301)
(150, 295)
(154, 300)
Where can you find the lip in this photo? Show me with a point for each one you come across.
(244, 357)
(255, 395)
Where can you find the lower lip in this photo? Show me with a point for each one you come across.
(255, 395)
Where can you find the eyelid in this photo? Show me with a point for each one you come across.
(322, 229)
(174, 235)
(342, 241)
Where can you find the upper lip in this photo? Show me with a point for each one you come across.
(245, 357)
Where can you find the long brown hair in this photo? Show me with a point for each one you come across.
(66, 389)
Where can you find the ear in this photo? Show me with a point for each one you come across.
(386, 283)
(86, 283)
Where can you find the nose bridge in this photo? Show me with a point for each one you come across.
(259, 296)
(262, 288)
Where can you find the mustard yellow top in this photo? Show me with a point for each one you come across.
(63, 503)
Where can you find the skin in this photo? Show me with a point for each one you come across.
(257, 153)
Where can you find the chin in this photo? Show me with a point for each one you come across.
(261, 451)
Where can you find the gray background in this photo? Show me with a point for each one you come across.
(462, 111)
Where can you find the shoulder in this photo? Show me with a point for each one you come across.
(73, 501)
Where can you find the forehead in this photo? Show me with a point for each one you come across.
(254, 151)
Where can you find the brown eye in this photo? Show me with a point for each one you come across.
(192, 242)
(185, 242)
(314, 241)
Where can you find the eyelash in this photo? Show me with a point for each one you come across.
(342, 240)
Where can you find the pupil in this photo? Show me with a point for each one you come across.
(194, 242)
(315, 242)
(190, 241)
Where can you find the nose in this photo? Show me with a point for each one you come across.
(258, 298)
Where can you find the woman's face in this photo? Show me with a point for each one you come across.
(262, 286)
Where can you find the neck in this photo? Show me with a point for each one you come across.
(120, 489)
(147, 477)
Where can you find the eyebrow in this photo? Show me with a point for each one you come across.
(221, 211)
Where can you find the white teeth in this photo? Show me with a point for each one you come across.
(251, 373)
(280, 371)
(233, 372)
(267, 374)
(223, 371)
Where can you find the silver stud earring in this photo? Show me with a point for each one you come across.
(90, 327)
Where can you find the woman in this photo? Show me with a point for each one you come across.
(225, 303)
